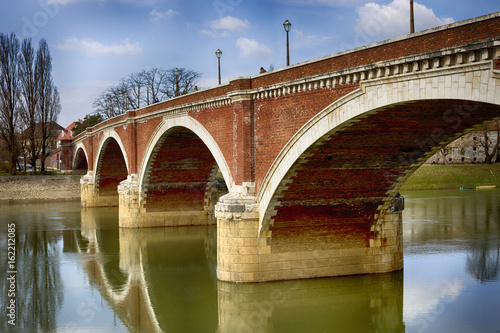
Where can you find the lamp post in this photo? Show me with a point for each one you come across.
(412, 18)
(287, 25)
(176, 72)
(218, 54)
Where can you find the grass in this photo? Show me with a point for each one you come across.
(441, 177)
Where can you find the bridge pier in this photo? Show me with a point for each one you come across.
(129, 209)
(133, 212)
(245, 253)
(90, 196)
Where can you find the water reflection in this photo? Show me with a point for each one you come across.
(452, 221)
(39, 285)
(164, 280)
(452, 241)
(482, 263)
(347, 304)
(78, 272)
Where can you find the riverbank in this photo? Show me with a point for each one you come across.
(444, 177)
(427, 177)
(40, 188)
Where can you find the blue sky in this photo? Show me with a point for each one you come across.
(94, 43)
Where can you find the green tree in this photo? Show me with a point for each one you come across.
(88, 121)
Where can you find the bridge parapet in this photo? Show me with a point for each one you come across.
(419, 63)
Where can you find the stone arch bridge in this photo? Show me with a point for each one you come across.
(312, 155)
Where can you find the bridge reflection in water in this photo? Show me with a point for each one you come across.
(164, 279)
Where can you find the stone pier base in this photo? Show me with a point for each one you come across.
(134, 214)
(90, 196)
(244, 253)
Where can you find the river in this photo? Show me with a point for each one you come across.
(74, 270)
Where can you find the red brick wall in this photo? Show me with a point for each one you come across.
(219, 122)
(431, 41)
(179, 173)
(278, 119)
(145, 131)
(87, 143)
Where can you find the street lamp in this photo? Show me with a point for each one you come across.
(218, 54)
(412, 18)
(176, 72)
(287, 25)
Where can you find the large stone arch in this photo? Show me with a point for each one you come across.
(177, 182)
(197, 128)
(461, 91)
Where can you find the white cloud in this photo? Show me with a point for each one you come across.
(230, 23)
(252, 49)
(157, 16)
(222, 27)
(94, 48)
(393, 19)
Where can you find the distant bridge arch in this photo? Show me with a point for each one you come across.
(80, 159)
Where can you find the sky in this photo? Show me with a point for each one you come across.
(95, 43)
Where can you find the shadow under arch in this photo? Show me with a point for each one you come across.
(80, 159)
(180, 173)
(341, 185)
(111, 168)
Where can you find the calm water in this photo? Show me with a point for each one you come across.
(77, 272)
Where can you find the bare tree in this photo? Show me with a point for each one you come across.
(142, 89)
(154, 79)
(490, 146)
(112, 102)
(185, 82)
(49, 104)
(136, 90)
(444, 154)
(9, 94)
(28, 106)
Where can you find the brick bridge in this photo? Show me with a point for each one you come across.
(313, 155)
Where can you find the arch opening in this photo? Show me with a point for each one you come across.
(182, 178)
(111, 169)
(338, 191)
(80, 164)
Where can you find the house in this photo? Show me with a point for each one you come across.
(57, 159)
(470, 148)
